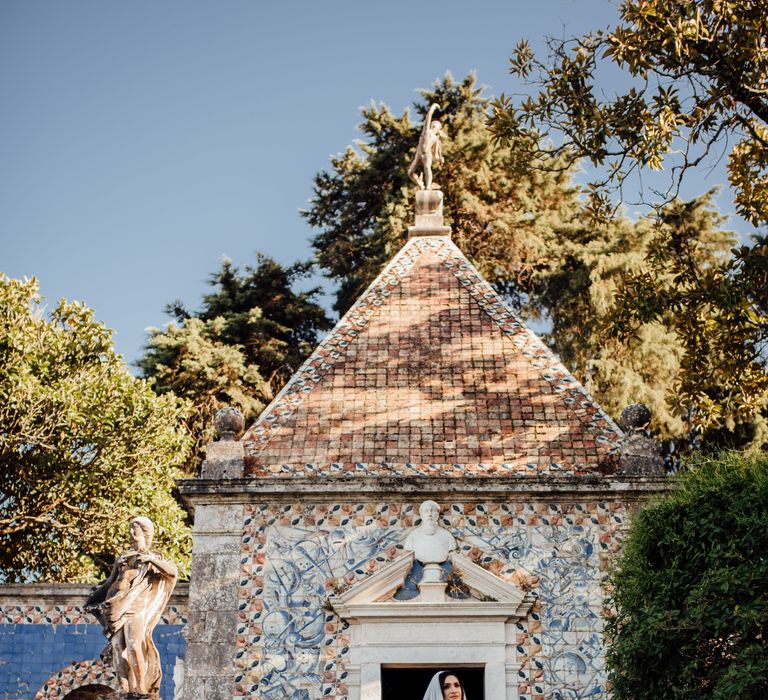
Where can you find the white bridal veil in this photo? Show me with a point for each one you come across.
(435, 692)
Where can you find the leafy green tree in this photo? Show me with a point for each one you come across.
(697, 87)
(505, 210)
(691, 588)
(584, 293)
(84, 446)
(251, 334)
(722, 384)
(697, 83)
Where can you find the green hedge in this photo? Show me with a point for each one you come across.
(691, 589)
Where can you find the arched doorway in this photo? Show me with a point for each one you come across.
(91, 677)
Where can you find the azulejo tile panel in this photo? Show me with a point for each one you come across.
(293, 556)
(56, 658)
(76, 675)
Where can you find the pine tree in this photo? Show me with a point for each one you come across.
(251, 333)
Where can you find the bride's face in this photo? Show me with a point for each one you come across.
(451, 688)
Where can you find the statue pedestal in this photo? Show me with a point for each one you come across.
(432, 586)
(429, 215)
(432, 592)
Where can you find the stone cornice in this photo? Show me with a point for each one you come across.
(277, 489)
(67, 593)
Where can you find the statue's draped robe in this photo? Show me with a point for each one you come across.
(146, 594)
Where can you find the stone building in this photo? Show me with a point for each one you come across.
(428, 388)
(302, 586)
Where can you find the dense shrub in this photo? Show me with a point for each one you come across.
(691, 589)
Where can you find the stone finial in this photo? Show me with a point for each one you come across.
(634, 417)
(429, 215)
(229, 423)
(639, 454)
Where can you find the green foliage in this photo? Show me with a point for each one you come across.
(720, 314)
(504, 208)
(691, 588)
(252, 333)
(697, 77)
(578, 297)
(276, 326)
(84, 446)
(592, 297)
(697, 84)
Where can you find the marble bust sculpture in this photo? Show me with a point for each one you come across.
(429, 542)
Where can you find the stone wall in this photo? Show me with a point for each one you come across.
(49, 646)
(298, 546)
(296, 554)
(213, 596)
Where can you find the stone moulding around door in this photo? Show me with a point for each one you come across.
(476, 632)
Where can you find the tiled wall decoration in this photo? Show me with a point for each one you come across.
(56, 657)
(290, 645)
(77, 675)
(52, 614)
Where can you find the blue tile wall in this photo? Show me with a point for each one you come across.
(30, 654)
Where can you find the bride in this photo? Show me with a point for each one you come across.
(445, 685)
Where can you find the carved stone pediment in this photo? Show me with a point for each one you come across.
(491, 596)
(477, 631)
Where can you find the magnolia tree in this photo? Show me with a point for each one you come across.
(696, 77)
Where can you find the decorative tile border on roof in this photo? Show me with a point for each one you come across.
(383, 469)
(332, 348)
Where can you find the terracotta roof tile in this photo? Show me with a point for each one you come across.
(430, 373)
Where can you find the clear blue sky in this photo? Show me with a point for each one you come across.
(141, 141)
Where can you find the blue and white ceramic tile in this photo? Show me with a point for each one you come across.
(298, 654)
(293, 619)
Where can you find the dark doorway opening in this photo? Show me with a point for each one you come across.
(411, 683)
(89, 692)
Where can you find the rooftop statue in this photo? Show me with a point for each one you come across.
(428, 150)
(129, 605)
(429, 542)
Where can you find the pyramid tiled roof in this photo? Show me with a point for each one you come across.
(430, 373)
